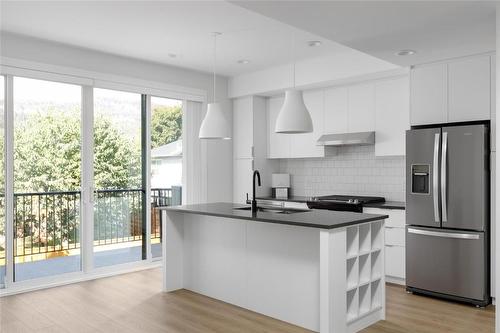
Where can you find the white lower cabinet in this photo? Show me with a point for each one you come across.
(394, 236)
(395, 242)
(395, 263)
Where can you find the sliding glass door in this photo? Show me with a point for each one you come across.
(47, 178)
(166, 162)
(119, 216)
(74, 189)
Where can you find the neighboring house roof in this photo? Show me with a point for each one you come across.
(173, 149)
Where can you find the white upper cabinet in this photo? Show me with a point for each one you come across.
(361, 115)
(304, 144)
(243, 127)
(336, 110)
(469, 89)
(381, 106)
(429, 101)
(453, 91)
(350, 109)
(278, 144)
(392, 116)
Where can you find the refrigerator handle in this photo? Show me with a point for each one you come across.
(435, 180)
(443, 234)
(444, 180)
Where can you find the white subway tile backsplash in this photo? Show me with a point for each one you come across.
(354, 170)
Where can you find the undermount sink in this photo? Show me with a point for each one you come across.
(277, 210)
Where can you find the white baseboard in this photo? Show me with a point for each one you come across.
(395, 280)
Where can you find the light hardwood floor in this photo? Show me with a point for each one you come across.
(134, 303)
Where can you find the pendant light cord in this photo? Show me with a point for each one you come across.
(293, 57)
(215, 62)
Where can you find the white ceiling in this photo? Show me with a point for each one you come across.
(435, 29)
(153, 30)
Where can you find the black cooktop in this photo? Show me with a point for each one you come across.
(352, 203)
(354, 199)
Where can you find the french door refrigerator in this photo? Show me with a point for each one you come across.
(447, 212)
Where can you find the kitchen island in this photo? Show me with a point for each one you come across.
(318, 269)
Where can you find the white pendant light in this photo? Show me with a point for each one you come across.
(294, 116)
(215, 124)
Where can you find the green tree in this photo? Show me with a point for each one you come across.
(166, 125)
(47, 154)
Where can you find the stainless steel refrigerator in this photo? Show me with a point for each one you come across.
(447, 212)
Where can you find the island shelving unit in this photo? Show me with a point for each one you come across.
(321, 270)
(364, 268)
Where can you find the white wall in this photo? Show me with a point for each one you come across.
(353, 170)
(219, 161)
(312, 73)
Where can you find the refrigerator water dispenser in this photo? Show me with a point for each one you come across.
(420, 178)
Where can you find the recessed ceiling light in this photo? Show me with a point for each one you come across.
(243, 61)
(314, 43)
(406, 52)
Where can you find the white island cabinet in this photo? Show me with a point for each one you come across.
(321, 270)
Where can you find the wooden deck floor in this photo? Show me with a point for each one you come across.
(134, 303)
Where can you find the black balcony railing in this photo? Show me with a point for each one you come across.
(49, 222)
(46, 222)
(117, 216)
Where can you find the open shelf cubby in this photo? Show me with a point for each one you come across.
(364, 299)
(352, 241)
(352, 305)
(376, 234)
(364, 269)
(376, 295)
(352, 273)
(364, 238)
(376, 265)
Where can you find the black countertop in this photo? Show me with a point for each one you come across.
(385, 205)
(315, 218)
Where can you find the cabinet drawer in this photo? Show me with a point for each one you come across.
(395, 261)
(396, 219)
(394, 236)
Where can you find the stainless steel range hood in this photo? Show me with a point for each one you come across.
(347, 139)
